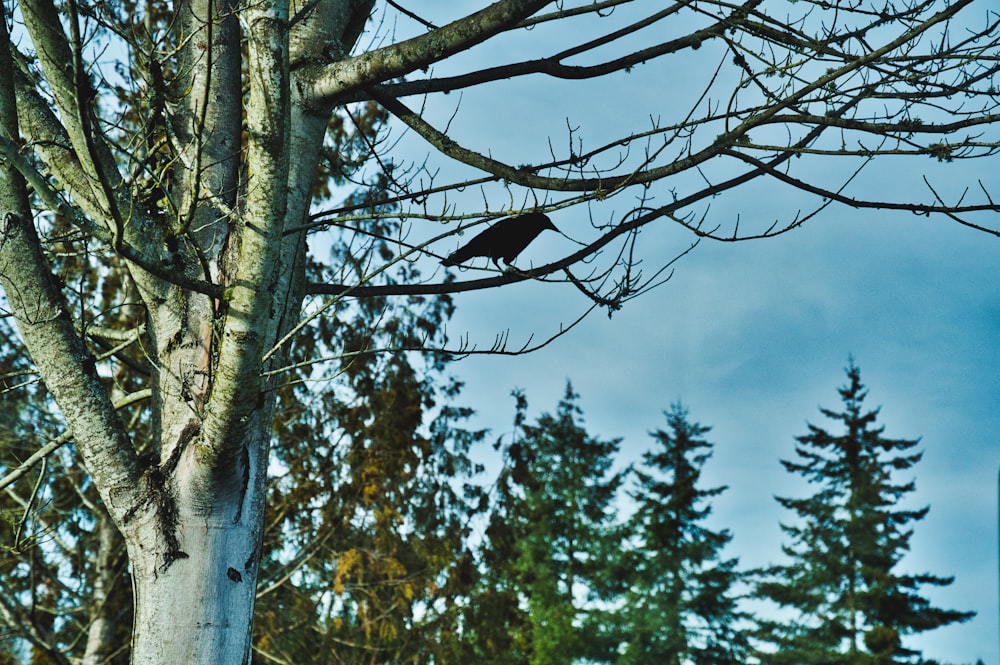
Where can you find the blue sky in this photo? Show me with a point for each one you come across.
(753, 337)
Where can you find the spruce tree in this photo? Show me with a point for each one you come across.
(681, 606)
(848, 601)
(552, 545)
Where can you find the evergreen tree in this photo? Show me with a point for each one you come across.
(552, 543)
(849, 603)
(681, 607)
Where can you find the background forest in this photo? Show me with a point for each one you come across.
(395, 540)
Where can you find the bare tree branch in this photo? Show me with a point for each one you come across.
(404, 57)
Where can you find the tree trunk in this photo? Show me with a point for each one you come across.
(194, 546)
(194, 600)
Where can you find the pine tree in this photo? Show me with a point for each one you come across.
(848, 600)
(552, 544)
(681, 607)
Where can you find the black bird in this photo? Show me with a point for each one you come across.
(504, 240)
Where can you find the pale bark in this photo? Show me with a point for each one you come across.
(41, 312)
(404, 57)
(194, 604)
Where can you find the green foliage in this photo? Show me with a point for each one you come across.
(551, 541)
(374, 552)
(681, 606)
(849, 602)
(363, 554)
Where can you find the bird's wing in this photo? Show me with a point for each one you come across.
(479, 245)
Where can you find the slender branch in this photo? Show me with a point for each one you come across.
(61, 440)
(54, 202)
(952, 210)
(555, 67)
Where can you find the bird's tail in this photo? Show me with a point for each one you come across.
(455, 258)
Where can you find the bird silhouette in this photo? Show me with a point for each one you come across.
(504, 240)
